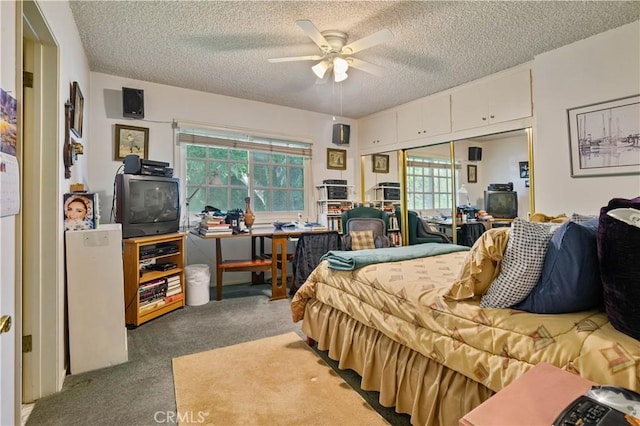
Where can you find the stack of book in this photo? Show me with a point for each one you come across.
(213, 225)
(152, 294)
(174, 289)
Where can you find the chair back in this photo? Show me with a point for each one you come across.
(418, 232)
(311, 246)
(377, 226)
(469, 233)
(364, 212)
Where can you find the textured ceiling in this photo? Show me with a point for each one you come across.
(222, 46)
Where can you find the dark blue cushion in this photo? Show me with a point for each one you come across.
(570, 279)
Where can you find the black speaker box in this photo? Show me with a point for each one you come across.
(475, 153)
(132, 103)
(341, 134)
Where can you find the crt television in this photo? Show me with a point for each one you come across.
(147, 205)
(501, 204)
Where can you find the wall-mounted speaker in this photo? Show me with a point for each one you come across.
(475, 153)
(132, 103)
(341, 134)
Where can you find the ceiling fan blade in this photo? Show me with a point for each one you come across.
(367, 67)
(296, 58)
(379, 37)
(314, 34)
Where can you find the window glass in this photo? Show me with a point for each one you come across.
(429, 184)
(223, 177)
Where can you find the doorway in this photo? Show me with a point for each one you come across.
(38, 267)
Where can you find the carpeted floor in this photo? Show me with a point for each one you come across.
(141, 391)
(275, 380)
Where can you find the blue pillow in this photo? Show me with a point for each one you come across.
(570, 279)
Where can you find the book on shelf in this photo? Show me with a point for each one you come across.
(153, 305)
(173, 291)
(173, 298)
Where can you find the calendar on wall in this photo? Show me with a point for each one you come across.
(9, 171)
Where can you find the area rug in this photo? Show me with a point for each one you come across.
(274, 381)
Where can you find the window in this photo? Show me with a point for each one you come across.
(429, 184)
(222, 172)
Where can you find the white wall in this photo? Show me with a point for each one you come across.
(163, 104)
(600, 68)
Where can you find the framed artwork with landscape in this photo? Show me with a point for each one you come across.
(380, 163)
(604, 138)
(336, 159)
(131, 140)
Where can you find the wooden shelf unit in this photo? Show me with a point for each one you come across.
(135, 277)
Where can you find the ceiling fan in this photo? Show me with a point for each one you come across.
(336, 53)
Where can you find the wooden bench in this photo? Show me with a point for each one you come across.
(251, 265)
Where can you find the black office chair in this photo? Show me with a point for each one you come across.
(311, 246)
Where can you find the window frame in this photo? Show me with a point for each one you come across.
(262, 217)
(432, 164)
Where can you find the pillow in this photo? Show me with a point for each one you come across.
(521, 264)
(619, 258)
(361, 240)
(543, 218)
(481, 265)
(570, 279)
(577, 217)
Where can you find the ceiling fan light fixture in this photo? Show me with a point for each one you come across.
(339, 76)
(340, 65)
(320, 68)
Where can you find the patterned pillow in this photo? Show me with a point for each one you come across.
(578, 218)
(481, 265)
(361, 240)
(521, 265)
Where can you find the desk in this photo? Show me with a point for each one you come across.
(259, 262)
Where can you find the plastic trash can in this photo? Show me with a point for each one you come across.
(198, 277)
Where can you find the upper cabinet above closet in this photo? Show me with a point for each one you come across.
(377, 131)
(504, 98)
(426, 117)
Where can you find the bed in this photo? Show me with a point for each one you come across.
(435, 358)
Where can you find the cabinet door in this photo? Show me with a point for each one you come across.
(428, 117)
(410, 122)
(437, 115)
(377, 131)
(469, 107)
(510, 97)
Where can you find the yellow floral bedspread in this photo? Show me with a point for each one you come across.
(404, 301)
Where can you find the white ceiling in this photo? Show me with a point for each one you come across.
(222, 46)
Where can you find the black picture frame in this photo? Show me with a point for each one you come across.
(380, 163)
(472, 173)
(524, 169)
(77, 106)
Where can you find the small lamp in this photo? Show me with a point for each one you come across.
(463, 191)
(320, 68)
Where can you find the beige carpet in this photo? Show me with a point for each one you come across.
(274, 381)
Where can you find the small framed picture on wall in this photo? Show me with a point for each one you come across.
(380, 163)
(336, 159)
(472, 173)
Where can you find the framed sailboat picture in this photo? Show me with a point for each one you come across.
(604, 138)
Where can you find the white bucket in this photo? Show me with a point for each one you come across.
(198, 277)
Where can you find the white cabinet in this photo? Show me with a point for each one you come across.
(505, 98)
(95, 293)
(377, 131)
(429, 116)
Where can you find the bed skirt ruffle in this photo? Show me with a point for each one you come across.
(429, 392)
